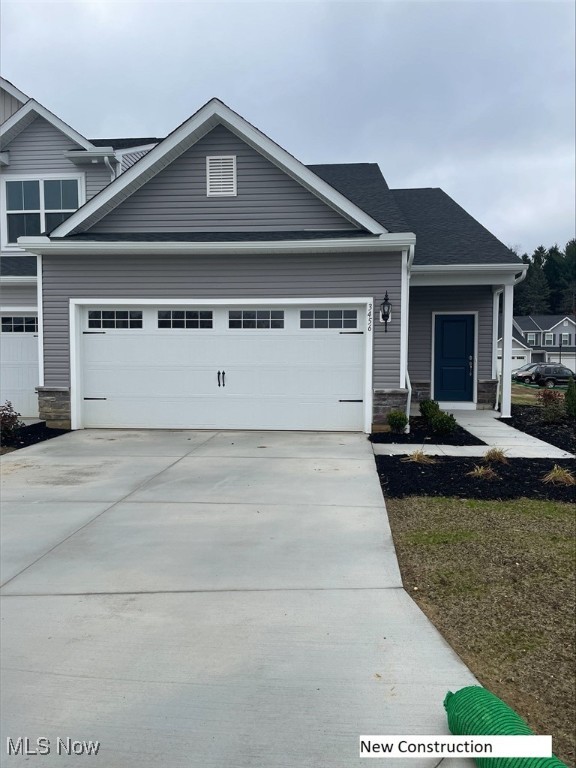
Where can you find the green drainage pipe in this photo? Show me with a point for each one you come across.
(474, 711)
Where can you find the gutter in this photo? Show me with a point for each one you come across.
(387, 242)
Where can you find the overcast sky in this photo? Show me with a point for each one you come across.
(473, 97)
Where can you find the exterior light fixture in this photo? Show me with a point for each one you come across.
(385, 312)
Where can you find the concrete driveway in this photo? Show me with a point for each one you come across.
(210, 599)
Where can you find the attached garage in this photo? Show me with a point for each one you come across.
(19, 360)
(242, 365)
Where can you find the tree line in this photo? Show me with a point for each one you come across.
(550, 283)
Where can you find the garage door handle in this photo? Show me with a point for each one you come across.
(219, 378)
(223, 378)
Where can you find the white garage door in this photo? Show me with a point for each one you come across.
(236, 367)
(19, 361)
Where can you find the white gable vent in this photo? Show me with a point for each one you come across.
(221, 175)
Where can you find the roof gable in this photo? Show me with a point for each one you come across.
(27, 114)
(183, 138)
(175, 199)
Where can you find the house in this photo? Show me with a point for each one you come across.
(47, 170)
(543, 339)
(218, 282)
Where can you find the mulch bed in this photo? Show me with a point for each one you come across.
(32, 434)
(527, 418)
(448, 477)
(420, 434)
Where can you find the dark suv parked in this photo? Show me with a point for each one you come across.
(551, 375)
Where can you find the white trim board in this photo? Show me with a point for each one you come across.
(77, 304)
(474, 400)
(29, 112)
(213, 113)
(16, 93)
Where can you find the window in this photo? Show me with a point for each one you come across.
(256, 318)
(34, 206)
(11, 324)
(531, 338)
(184, 318)
(548, 339)
(114, 318)
(221, 176)
(565, 339)
(328, 318)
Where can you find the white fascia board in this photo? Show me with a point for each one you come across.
(21, 119)
(16, 93)
(43, 245)
(207, 117)
(467, 274)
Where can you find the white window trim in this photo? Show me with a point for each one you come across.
(75, 327)
(40, 177)
(548, 340)
(565, 339)
(531, 338)
(234, 193)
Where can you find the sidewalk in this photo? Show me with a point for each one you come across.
(485, 426)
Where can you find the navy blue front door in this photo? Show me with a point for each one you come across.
(454, 358)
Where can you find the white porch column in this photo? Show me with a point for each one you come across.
(495, 317)
(506, 384)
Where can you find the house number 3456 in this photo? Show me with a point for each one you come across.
(369, 317)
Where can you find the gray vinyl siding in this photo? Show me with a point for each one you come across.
(18, 295)
(175, 199)
(39, 149)
(8, 105)
(219, 277)
(424, 301)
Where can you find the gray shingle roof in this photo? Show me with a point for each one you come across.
(446, 233)
(123, 143)
(526, 323)
(365, 186)
(545, 322)
(17, 266)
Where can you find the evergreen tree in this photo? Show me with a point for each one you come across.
(567, 297)
(532, 295)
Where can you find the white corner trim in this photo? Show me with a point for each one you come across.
(77, 304)
(40, 323)
(495, 316)
(475, 373)
(16, 93)
(204, 119)
(404, 310)
(11, 126)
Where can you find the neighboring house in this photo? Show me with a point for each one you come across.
(47, 171)
(545, 338)
(219, 283)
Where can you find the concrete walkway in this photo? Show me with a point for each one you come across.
(485, 426)
(210, 599)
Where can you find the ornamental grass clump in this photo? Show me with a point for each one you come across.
(483, 472)
(419, 457)
(495, 456)
(559, 476)
(397, 421)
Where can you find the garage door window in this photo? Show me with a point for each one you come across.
(256, 318)
(328, 318)
(11, 324)
(177, 318)
(114, 318)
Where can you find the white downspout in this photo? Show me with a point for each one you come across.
(408, 382)
(110, 168)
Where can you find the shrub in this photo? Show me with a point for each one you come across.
(10, 423)
(443, 423)
(397, 420)
(570, 398)
(429, 409)
(553, 407)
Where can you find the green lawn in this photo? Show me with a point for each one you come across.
(498, 580)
